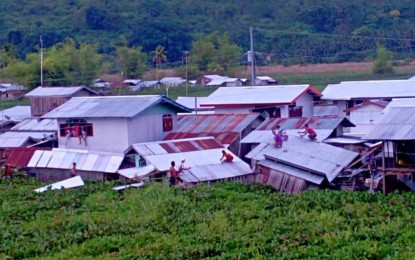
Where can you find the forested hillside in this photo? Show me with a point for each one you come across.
(84, 39)
(175, 24)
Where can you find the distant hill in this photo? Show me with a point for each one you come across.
(175, 24)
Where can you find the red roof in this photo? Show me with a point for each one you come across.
(330, 122)
(20, 157)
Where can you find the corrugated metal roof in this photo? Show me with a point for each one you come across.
(20, 157)
(307, 155)
(110, 106)
(35, 124)
(326, 110)
(298, 123)
(397, 124)
(177, 146)
(16, 114)
(201, 154)
(57, 91)
(18, 139)
(369, 89)
(218, 82)
(257, 95)
(85, 160)
(313, 178)
(226, 128)
(261, 136)
(267, 78)
(190, 102)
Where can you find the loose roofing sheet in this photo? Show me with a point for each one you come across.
(257, 95)
(369, 89)
(308, 155)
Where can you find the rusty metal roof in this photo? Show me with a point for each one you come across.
(316, 157)
(202, 156)
(226, 128)
(20, 157)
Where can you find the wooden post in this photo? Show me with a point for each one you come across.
(383, 167)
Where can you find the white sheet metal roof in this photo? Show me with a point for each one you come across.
(56, 91)
(131, 173)
(307, 155)
(85, 160)
(266, 78)
(369, 89)
(190, 102)
(65, 184)
(11, 86)
(16, 114)
(305, 175)
(35, 124)
(282, 94)
(205, 165)
(202, 156)
(220, 81)
(261, 136)
(398, 123)
(19, 139)
(110, 106)
(343, 140)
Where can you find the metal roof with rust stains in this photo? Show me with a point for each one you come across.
(226, 128)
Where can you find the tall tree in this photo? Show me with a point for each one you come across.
(158, 58)
(132, 61)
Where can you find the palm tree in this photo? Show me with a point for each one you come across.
(159, 58)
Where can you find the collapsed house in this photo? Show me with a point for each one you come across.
(298, 165)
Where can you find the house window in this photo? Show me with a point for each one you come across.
(75, 127)
(167, 123)
(295, 111)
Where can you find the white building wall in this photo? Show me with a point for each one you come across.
(306, 101)
(148, 127)
(342, 105)
(109, 135)
(232, 110)
(284, 111)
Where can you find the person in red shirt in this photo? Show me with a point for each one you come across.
(226, 157)
(310, 131)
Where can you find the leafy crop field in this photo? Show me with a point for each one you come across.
(223, 221)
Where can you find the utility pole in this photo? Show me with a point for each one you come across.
(41, 61)
(252, 54)
(187, 83)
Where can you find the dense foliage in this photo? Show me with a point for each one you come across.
(226, 220)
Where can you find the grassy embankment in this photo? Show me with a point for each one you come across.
(224, 221)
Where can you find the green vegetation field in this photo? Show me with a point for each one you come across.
(222, 221)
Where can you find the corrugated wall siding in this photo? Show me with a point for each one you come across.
(45, 175)
(42, 105)
(282, 182)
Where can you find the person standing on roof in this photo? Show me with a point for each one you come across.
(226, 157)
(174, 174)
(74, 172)
(312, 135)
